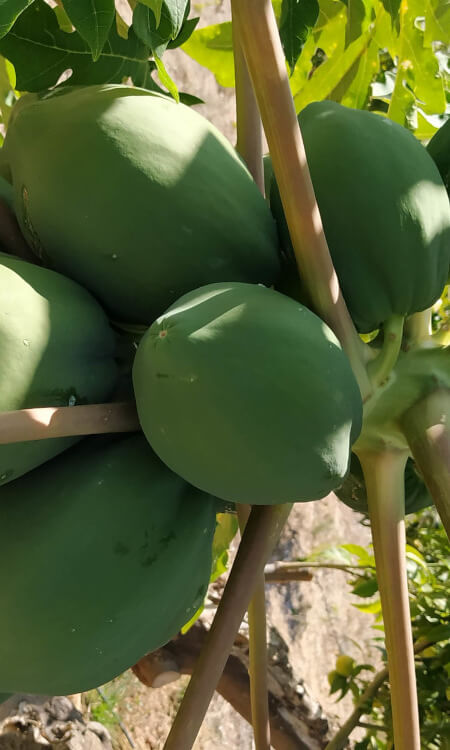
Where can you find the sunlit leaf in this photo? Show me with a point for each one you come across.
(155, 6)
(359, 15)
(212, 47)
(297, 18)
(41, 52)
(93, 20)
(165, 78)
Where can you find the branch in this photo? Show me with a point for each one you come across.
(66, 421)
(296, 721)
(260, 536)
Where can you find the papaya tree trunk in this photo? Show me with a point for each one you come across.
(384, 474)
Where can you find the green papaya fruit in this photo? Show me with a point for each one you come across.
(104, 555)
(439, 150)
(56, 349)
(353, 490)
(247, 395)
(384, 209)
(136, 197)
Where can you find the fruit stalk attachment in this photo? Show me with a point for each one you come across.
(426, 429)
(257, 29)
(67, 421)
(380, 368)
(384, 477)
(260, 536)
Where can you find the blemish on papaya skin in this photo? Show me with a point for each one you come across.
(149, 561)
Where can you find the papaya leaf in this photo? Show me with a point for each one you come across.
(155, 6)
(297, 18)
(357, 93)
(7, 97)
(365, 588)
(329, 75)
(393, 8)
(226, 529)
(177, 13)
(359, 13)
(64, 22)
(212, 47)
(153, 35)
(10, 10)
(165, 78)
(419, 80)
(41, 52)
(437, 21)
(93, 20)
(187, 30)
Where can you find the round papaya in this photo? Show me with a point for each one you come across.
(247, 395)
(104, 555)
(439, 150)
(56, 349)
(353, 490)
(384, 209)
(136, 197)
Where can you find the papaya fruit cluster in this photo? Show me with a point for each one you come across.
(140, 213)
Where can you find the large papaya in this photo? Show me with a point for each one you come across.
(56, 349)
(247, 395)
(354, 494)
(439, 150)
(104, 555)
(384, 209)
(138, 198)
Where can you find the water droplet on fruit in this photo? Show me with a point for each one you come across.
(114, 256)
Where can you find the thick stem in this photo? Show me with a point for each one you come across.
(256, 25)
(426, 428)
(384, 476)
(260, 536)
(363, 705)
(248, 120)
(379, 368)
(66, 421)
(257, 654)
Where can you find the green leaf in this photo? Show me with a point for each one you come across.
(193, 620)
(165, 78)
(93, 20)
(365, 588)
(359, 13)
(419, 80)
(7, 97)
(156, 36)
(212, 47)
(297, 18)
(437, 21)
(10, 10)
(177, 13)
(357, 93)
(187, 30)
(41, 52)
(330, 74)
(372, 609)
(226, 529)
(393, 8)
(155, 6)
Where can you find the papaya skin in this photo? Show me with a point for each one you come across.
(136, 197)
(439, 150)
(233, 391)
(104, 555)
(384, 209)
(56, 349)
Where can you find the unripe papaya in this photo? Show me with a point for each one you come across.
(136, 197)
(353, 490)
(104, 555)
(439, 150)
(384, 209)
(247, 395)
(56, 349)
